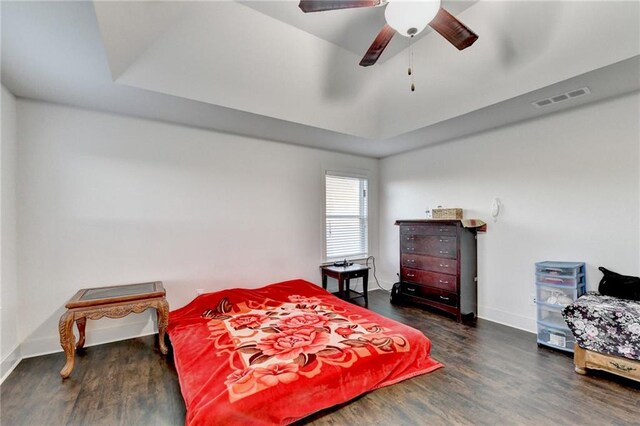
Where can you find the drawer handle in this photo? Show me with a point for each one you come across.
(411, 289)
(444, 241)
(442, 265)
(444, 252)
(410, 248)
(411, 275)
(443, 282)
(411, 261)
(444, 298)
(443, 229)
(411, 238)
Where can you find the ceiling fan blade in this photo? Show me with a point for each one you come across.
(453, 30)
(322, 5)
(377, 47)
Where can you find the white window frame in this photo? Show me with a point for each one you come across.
(365, 199)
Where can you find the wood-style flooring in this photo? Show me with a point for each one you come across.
(494, 375)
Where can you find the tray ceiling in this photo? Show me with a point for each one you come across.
(266, 69)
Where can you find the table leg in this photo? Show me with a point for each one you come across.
(324, 280)
(162, 309)
(81, 323)
(67, 340)
(365, 284)
(347, 291)
(341, 286)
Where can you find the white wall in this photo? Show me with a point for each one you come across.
(8, 276)
(107, 199)
(569, 184)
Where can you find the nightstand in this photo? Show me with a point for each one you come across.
(344, 274)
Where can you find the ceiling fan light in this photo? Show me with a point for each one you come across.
(410, 17)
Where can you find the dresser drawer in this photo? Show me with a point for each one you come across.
(432, 279)
(428, 229)
(429, 263)
(428, 293)
(438, 246)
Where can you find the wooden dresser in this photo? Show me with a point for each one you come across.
(438, 266)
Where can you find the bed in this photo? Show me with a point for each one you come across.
(276, 354)
(607, 333)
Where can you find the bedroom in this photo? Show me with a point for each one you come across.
(130, 157)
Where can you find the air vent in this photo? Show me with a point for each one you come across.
(561, 97)
(579, 92)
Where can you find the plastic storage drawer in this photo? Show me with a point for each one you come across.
(558, 284)
(558, 296)
(551, 315)
(555, 337)
(565, 280)
(560, 268)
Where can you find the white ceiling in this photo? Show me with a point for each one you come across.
(352, 29)
(267, 70)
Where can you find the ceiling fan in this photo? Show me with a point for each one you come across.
(408, 18)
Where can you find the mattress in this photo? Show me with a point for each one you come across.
(276, 354)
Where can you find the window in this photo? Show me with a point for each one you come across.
(346, 217)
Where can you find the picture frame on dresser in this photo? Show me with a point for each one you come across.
(438, 267)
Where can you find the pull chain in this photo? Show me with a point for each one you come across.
(410, 71)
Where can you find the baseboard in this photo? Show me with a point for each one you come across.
(51, 344)
(10, 362)
(490, 314)
(507, 318)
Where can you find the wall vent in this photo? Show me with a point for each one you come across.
(561, 97)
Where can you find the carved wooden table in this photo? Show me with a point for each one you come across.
(111, 302)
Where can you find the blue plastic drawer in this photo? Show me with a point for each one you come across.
(551, 315)
(560, 280)
(558, 296)
(560, 268)
(555, 337)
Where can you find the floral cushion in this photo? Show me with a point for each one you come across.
(605, 324)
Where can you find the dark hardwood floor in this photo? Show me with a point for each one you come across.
(493, 375)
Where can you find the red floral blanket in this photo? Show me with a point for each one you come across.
(279, 353)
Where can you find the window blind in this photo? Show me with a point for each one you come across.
(346, 226)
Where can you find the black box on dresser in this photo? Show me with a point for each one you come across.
(438, 266)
